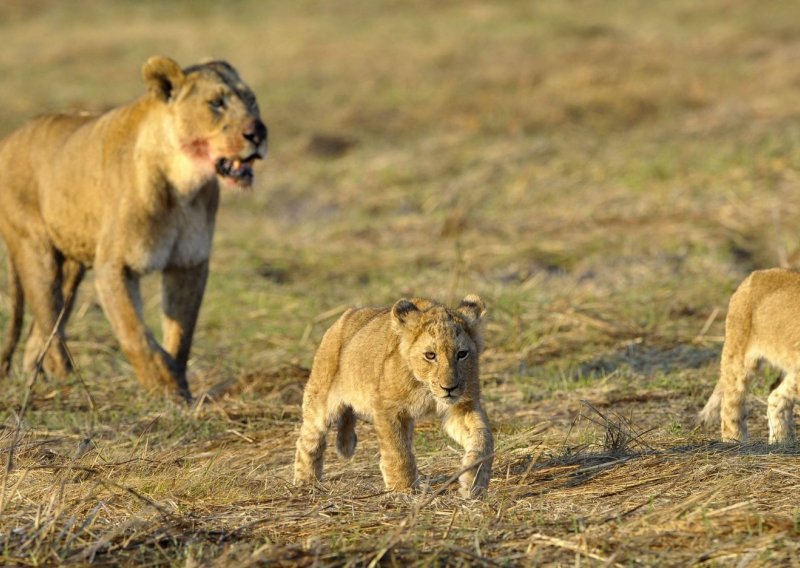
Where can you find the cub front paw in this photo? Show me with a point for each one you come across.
(475, 481)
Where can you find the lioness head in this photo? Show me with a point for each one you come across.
(440, 345)
(215, 116)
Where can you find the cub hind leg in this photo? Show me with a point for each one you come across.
(318, 411)
(727, 402)
(734, 375)
(311, 444)
(780, 410)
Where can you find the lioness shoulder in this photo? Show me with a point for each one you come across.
(392, 365)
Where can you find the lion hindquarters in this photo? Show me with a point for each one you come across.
(762, 324)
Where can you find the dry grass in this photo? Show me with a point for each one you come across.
(603, 174)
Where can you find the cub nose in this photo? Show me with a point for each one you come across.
(448, 389)
(257, 132)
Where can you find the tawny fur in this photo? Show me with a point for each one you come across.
(391, 366)
(762, 324)
(128, 192)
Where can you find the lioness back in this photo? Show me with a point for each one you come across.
(763, 323)
(392, 366)
(44, 178)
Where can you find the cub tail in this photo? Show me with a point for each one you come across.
(709, 416)
(346, 433)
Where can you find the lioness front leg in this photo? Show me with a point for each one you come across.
(398, 465)
(181, 295)
(118, 290)
(469, 426)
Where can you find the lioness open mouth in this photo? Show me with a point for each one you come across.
(236, 169)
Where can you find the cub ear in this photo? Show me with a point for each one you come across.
(405, 314)
(163, 76)
(472, 308)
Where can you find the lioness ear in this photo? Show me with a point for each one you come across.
(405, 314)
(163, 76)
(472, 308)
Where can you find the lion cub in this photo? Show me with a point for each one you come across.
(392, 365)
(763, 323)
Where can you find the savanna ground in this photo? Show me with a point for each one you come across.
(602, 173)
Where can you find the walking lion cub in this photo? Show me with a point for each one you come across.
(391, 366)
(762, 323)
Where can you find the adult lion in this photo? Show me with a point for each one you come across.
(128, 192)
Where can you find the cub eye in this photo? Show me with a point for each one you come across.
(462, 354)
(217, 104)
(430, 356)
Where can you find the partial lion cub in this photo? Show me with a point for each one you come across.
(392, 365)
(763, 323)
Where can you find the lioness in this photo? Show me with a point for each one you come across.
(131, 191)
(762, 323)
(392, 365)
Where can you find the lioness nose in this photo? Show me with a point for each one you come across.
(257, 132)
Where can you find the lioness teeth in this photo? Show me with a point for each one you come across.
(236, 169)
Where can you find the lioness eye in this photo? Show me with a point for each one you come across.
(217, 104)
(430, 355)
(462, 354)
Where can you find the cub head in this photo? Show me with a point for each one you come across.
(215, 116)
(441, 345)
